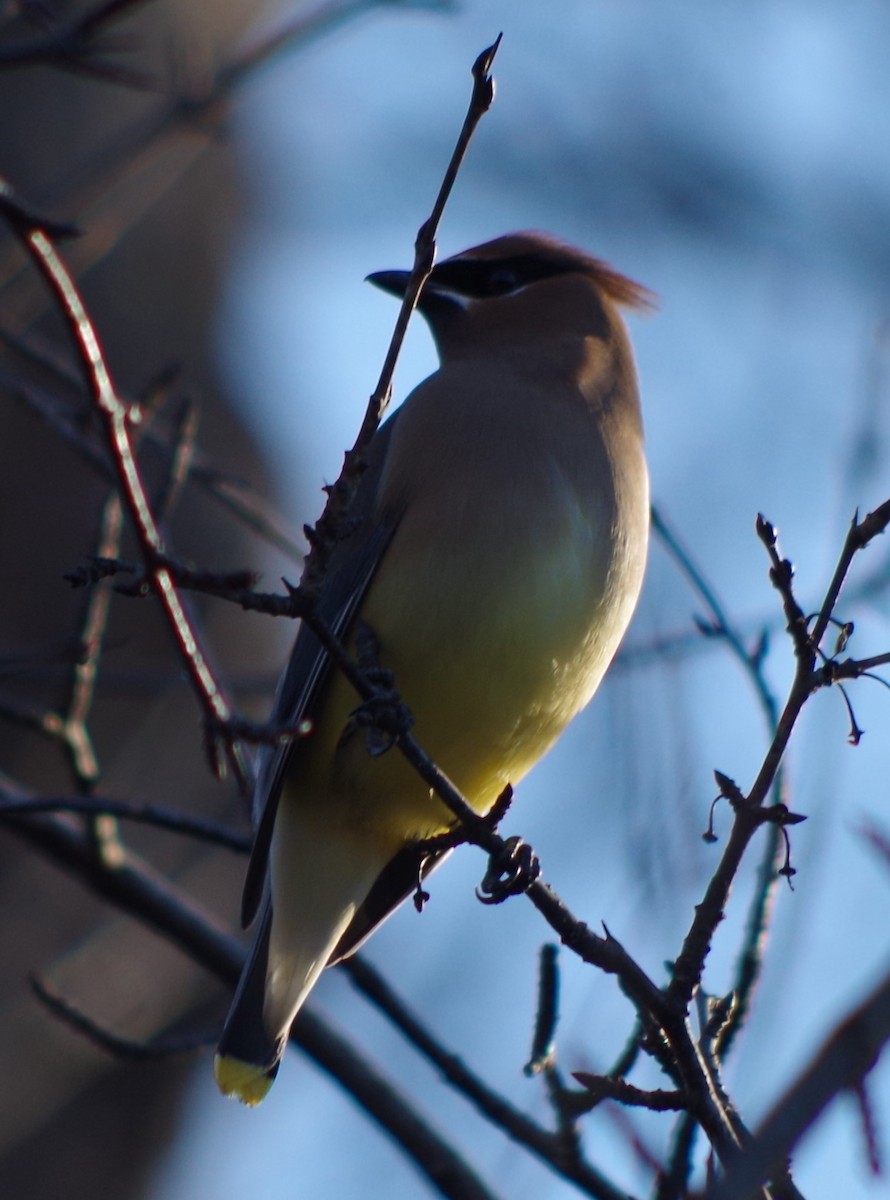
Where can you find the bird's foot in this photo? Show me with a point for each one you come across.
(384, 716)
(511, 872)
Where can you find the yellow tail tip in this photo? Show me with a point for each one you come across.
(240, 1080)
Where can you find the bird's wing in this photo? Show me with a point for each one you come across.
(399, 879)
(352, 567)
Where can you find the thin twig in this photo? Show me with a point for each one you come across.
(481, 100)
(859, 535)
(120, 1047)
(326, 532)
(75, 728)
(750, 958)
(82, 757)
(236, 495)
(673, 1184)
(547, 1011)
(144, 814)
(603, 1087)
(114, 416)
(752, 661)
(92, 188)
(494, 1107)
(750, 815)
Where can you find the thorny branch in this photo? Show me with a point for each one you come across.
(324, 535)
(750, 958)
(750, 812)
(115, 418)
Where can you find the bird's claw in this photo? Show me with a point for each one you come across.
(385, 717)
(510, 872)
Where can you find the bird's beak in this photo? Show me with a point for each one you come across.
(393, 282)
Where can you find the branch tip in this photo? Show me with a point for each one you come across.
(483, 64)
(766, 531)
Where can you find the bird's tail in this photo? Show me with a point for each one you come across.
(247, 1057)
(319, 881)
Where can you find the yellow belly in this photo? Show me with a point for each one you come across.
(498, 605)
(492, 668)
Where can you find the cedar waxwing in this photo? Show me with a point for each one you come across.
(497, 547)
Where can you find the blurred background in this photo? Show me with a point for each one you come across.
(736, 163)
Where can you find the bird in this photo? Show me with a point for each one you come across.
(496, 550)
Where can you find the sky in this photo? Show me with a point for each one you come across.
(734, 162)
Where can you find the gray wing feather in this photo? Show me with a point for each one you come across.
(352, 567)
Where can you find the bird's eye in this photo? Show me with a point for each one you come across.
(503, 280)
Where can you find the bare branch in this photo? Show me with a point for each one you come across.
(842, 1064)
(136, 889)
(543, 1040)
(750, 957)
(750, 814)
(234, 494)
(114, 416)
(324, 535)
(494, 1107)
(111, 1043)
(145, 814)
(603, 1087)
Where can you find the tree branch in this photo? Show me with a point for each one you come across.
(141, 892)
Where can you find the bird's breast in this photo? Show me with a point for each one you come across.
(501, 599)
